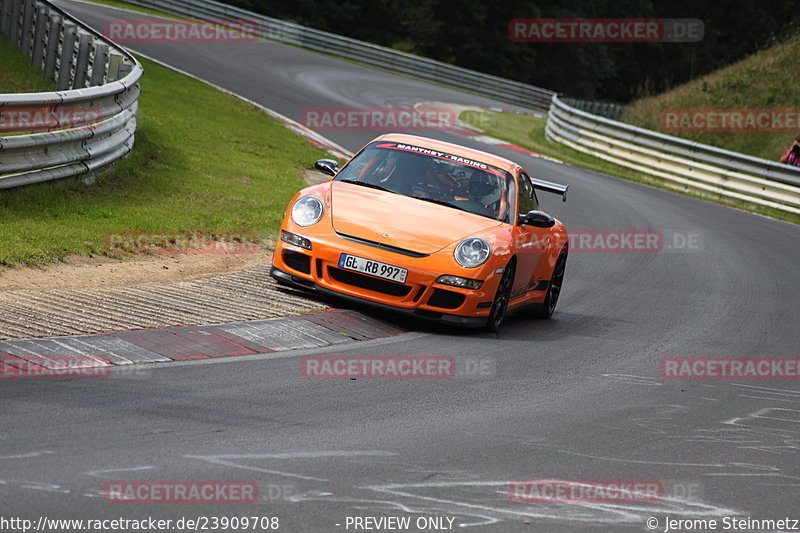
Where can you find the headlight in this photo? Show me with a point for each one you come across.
(457, 281)
(307, 211)
(297, 240)
(473, 252)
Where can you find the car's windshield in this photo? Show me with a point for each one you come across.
(433, 176)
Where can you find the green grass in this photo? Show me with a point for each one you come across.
(133, 7)
(768, 79)
(528, 131)
(203, 161)
(17, 75)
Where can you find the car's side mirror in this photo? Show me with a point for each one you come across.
(538, 219)
(328, 166)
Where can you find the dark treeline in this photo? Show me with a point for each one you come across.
(474, 34)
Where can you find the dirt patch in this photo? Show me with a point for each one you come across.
(87, 272)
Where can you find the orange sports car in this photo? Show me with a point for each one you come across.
(428, 228)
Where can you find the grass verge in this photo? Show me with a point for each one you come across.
(767, 80)
(17, 75)
(133, 7)
(528, 131)
(203, 161)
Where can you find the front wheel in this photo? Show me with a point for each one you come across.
(554, 289)
(500, 304)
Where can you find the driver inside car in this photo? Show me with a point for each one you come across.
(428, 181)
(485, 190)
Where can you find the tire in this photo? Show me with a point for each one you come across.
(547, 307)
(500, 303)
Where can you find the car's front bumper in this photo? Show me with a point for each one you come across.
(424, 314)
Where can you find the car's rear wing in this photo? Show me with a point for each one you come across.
(549, 186)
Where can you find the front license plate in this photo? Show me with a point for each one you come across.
(373, 268)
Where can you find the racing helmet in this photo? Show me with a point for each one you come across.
(483, 187)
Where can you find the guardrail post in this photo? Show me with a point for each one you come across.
(125, 69)
(37, 59)
(67, 59)
(99, 64)
(51, 51)
(26, 31)
(5, 15)
(114, 64)
(82, 63)
(13, 29)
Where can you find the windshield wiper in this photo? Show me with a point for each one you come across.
(442, 202)
(370, 185)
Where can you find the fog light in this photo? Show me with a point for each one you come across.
(457, 281)
(297, 240)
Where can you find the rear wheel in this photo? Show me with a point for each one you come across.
(500, 304)
(547, 307)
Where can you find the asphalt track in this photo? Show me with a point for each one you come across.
(579, 397)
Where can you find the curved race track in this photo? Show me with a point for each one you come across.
(579, 397)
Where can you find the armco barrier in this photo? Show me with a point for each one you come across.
(378, 56)
(604, 109)
(88, 122)
(693, 166)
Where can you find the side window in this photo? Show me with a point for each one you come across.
(511, 208)
(527, 195)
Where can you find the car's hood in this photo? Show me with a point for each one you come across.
(408, 223)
